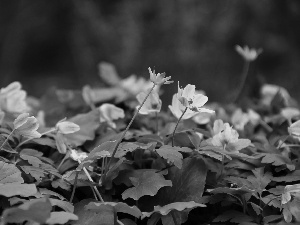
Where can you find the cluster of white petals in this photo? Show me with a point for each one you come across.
(249, 54)
(109, 113)
(13, 99)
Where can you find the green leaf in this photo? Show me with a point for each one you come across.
(61, 183)
(233, 216)
(238, 145)
(179, 206)
(61, 217)
(12, 189)
(277, 160)
(291, 177)
(45, 192)
(88, 123)
(101, 151)
(257, 209)
(171, 154)
(186, 139)
(188, 182)
(37, 173)
(37, 210)
(11, 182)
(87, 217)
(6, 146)
(147, 183)
(9, 173)
(117, 206)
(124, 175)
(272, 218)
(125, 147)
(67, 206)
(261, 179)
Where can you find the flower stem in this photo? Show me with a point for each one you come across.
(90, 179)
(222, 168)
(243, 81)
(177, 125)
(6, 140)
(74, 186)
(156, 120)
(29, 139)
(123, 135)
(63, 160)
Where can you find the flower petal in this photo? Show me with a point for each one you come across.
(199, 100)
(189, 91)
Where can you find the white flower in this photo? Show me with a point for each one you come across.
(135, 85)
(13, 99)
(27, 126)
(159, 78)
(177, 109)
(78, 156)
(239, 118)
(225, 136)
(2, 115)
(294, 129)
(288, 190)
(249, 54)
(268, 92)
(67, 127)
(202, 118)
(151, 105)
(290, 113)
(188, 98)
(109, 112)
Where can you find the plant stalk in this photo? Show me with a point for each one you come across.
(177, 125)
(243, 81)
(90, 179)
(123, 135)
(6, 140)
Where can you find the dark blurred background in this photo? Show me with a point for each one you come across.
(45, 43)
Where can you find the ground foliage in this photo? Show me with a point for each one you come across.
(71, 157)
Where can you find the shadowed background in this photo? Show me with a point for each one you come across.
(46, 43)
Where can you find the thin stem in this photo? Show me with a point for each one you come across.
(90, 179)
(123, 135)
(156, 120)
(243, 81)
(63, 160)
(74, 186)
(222, 168)
(177, 125)
(6, 140)
(102, 167)
(29, 139)
(265, 125)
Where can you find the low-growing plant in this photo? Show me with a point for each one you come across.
(110, 155)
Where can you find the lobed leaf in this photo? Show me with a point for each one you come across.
(171, 154)
(61, 217)
(147, 183)
(37, 210)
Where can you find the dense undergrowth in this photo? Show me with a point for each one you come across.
(109, 155)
